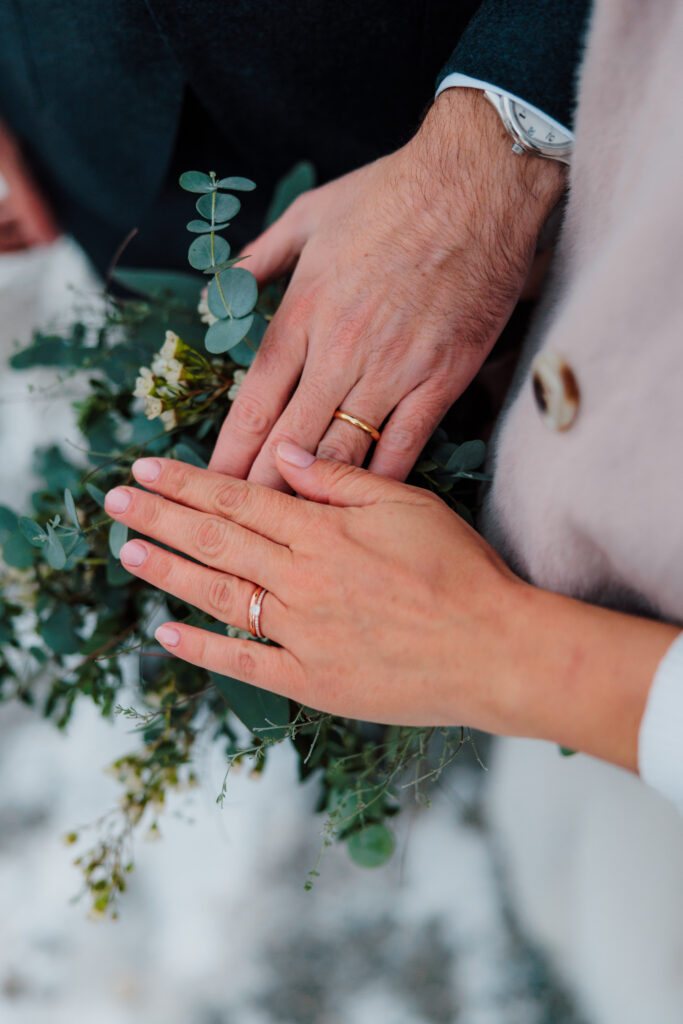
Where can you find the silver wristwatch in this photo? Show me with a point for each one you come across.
(530, 131)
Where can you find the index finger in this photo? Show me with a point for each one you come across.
(274, 515)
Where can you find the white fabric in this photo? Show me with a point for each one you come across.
(456, 80)
(660, 743)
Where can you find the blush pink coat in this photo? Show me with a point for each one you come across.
(596, 510)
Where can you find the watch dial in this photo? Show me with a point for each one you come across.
(539, 129)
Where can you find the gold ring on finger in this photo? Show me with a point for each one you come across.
(255, 605)
(355, 421)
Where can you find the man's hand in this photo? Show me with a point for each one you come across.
(406, 272)
(25, 219)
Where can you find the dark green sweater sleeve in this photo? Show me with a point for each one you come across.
(531, 48)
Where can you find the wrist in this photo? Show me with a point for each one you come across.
(463, 148)
(582, 674)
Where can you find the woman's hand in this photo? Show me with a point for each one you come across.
(385, 606)
(380, 598)
(406, 272)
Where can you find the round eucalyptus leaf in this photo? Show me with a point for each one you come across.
(118, 534)
(196, 181)
(17, 552)
(225, 207)
(243, 354)
(59, 630)
(237, 184)
(70, 506)
(233, 292)
(32, 531)
(54, 552)
(202, 255)
(226, 334)
(198, 227)
(372, 846)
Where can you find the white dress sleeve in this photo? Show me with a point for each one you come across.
(660, 742)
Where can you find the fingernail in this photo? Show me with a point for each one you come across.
(168, 636)
(295, 455)
(117, 500)
(133, 553)
(146, 470)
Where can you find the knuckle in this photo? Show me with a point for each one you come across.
(178, 480)
(337, 451)
(150, 511)
(220, 597)
(232, 497)
(249, 415)
(210, 536)
(245, 662)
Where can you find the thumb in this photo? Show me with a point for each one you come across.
(276, 250)
(331, 482)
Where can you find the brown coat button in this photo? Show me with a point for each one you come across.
(555, 390)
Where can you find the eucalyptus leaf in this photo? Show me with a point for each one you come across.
(59, 630)
(118, 532)
(242, 353)
(300, 179)
(238, 184)
(258, 709)
(184, 453)
(202, 256)
(96, 494)
(233, 292)
(33, 532)
(17, 552)
(70, 506)
(200, 227)
(225, 334)
(467, 456)
(218, 207)
(372, 846)
(171, 286)
(54, 550)
(117, 576)
(196, 181)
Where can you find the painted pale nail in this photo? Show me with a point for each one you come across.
(146, 470)
(295, 455)
(133, 553)
(117, 500)
(168, 636)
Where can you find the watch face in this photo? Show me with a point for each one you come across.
(538, 130)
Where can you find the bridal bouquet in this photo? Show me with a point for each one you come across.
(163, 364)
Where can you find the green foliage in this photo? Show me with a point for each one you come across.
(372, 846)
(91, 618)
(261, 711)
(301, 178)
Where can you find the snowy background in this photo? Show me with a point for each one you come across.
(216, 927)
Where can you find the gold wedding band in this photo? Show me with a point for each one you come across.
(356, 422)
(255, 605)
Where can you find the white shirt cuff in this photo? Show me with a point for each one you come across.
(456, 80)
(660, 741)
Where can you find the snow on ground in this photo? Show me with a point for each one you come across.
(216, 927)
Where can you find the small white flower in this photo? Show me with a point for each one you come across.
(171, 346)
(241, 634)
(205, 314)
(237, 381)
(169, 419)
(159, 364)
(144, 384)
(153, 407)
(174, 371)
